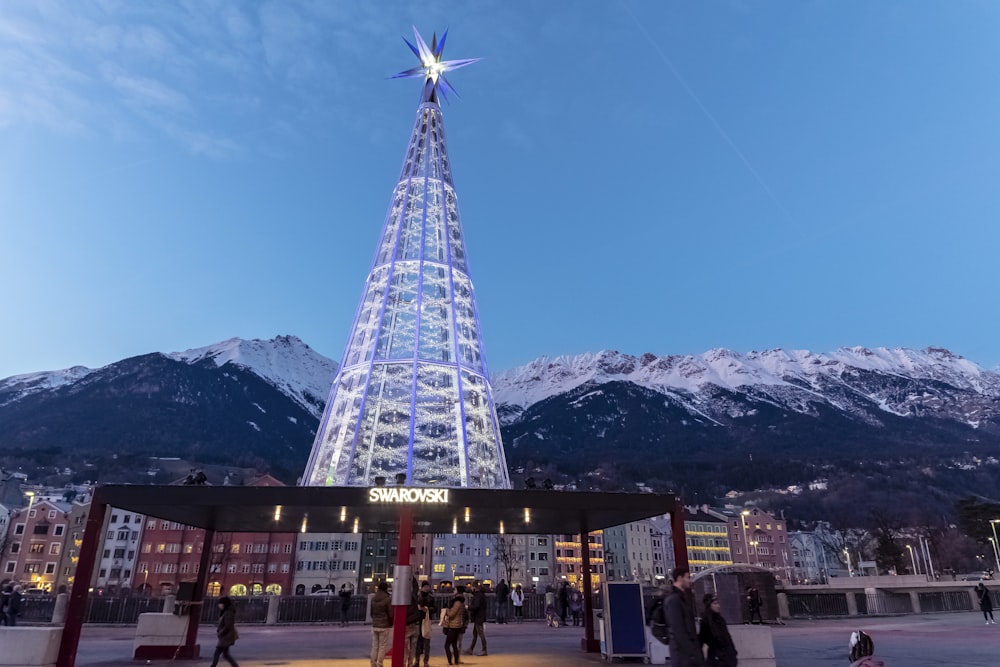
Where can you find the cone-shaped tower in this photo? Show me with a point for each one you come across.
(412, 394)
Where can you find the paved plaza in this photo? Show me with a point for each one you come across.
(910, 641)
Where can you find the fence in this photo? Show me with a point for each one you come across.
(945, 601)
(883, 603)
(808, 605)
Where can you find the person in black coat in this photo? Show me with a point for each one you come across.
(428, 607)
(226, 631)
(985, 603)
(503, 593)
(14, 605)
(685, 648)
(345, 604)
(477, 616)
(714, 633)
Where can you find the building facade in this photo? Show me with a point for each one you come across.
(707, 539)
(759, 538)
(326, 561)
(569, 559)
(35, 541)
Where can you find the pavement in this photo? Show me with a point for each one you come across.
(906, 641)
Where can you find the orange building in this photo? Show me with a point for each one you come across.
(35, 541)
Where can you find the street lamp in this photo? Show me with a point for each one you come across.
(847, 555)
(996, 554)
(913, 561)
(755, 558)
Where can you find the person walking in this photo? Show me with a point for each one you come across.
(428, 607)
(503, 594)
(517, 599)
(985, 603)
(714, 633)
(381, 624)
(14, 605)
(225, 631)
(685, 649)
(477, 616)
(345, 604)
(453, 622)
(576, 606)
(551, 615)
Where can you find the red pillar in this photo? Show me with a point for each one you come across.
(589, 643)
(81, 581)
(399, 613)
(677, 534)
(191, 648)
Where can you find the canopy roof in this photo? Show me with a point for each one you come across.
(346, 509)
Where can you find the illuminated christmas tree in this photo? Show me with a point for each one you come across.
(412, 395)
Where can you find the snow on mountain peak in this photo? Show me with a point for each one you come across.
(18, 386)
(731, 370)
(284, 361)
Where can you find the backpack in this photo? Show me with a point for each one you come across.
(656, 619)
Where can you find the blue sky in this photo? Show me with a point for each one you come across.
(642, 176)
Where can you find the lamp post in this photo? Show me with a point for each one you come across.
(755, 558)
(743, 520)
(993, 525)
(996, 553)
(847, 555)
(913, 561)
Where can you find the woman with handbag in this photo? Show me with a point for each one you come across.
(428, 608)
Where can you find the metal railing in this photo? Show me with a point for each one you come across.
(810, 605)
(883, 603)
(938, 601)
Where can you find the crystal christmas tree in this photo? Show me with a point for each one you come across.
(412, 395)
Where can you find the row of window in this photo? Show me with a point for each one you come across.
(31, 568)
(323, 565)
(40, 529)
(37, 548)
(325, 545)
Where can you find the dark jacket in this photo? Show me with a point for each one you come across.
(14, 603)
(345, 599)
(477, 607)
(427, 601)
(685, 649)
(226, 630)
(715, 635)
(381, 610)
(503, 591)
(413, 613)
(985, 603)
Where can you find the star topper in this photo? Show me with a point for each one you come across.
(432, 68)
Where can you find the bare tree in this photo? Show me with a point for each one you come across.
(507, 558)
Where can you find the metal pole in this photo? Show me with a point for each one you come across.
(678, 536)
(913, 561)
(930, 563)
(993, 525)
(399, 613)
(77, 606)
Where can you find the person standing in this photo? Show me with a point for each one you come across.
(5, 590)
(453, 622)
(576, 606)
(428, 609)
(225, 631)
(517, 599)
(754, 603)
(714, 633)
(381, 624)
(345, 604)
(563, 603)
(14, 605)
(685, 649)
(985, 603)
(503, 593)
(477, 616)
(413, 618)
(551, 616)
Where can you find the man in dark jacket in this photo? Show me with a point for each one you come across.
(477, 616)
(503, 592)
(14, 605)
(685, 648)
(381, 624)
(428, 609)
(345, 604)
(413, 618)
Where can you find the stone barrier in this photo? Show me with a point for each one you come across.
(30, 646)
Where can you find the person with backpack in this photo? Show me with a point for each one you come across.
(985, 603)
(685, 648)
(863, 651)
(226, 632)
(714, 633)
(656, 618)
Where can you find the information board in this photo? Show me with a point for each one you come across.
(626, 619)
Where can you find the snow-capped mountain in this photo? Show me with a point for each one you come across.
(898, 380)
(285, 361)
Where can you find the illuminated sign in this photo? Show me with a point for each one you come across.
(407, 495)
